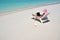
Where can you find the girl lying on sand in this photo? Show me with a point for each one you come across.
(42, 17)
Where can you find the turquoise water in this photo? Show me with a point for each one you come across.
(12, 4)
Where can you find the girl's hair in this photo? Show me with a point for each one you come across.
(38, 14)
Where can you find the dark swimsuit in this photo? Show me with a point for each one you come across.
(38, 14)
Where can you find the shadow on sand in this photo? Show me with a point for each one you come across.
(40, 21)
(46, 21)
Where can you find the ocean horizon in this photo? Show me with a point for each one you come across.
(13, 4)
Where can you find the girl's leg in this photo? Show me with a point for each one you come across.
(33, 17)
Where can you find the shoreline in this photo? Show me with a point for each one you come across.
(25, 8)
(20, 26)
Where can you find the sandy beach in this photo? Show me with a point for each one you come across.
(19, 25)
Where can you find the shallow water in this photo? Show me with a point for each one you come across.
(12, 4)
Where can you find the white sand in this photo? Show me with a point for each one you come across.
(20, 26)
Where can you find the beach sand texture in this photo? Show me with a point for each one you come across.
(20, 26)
